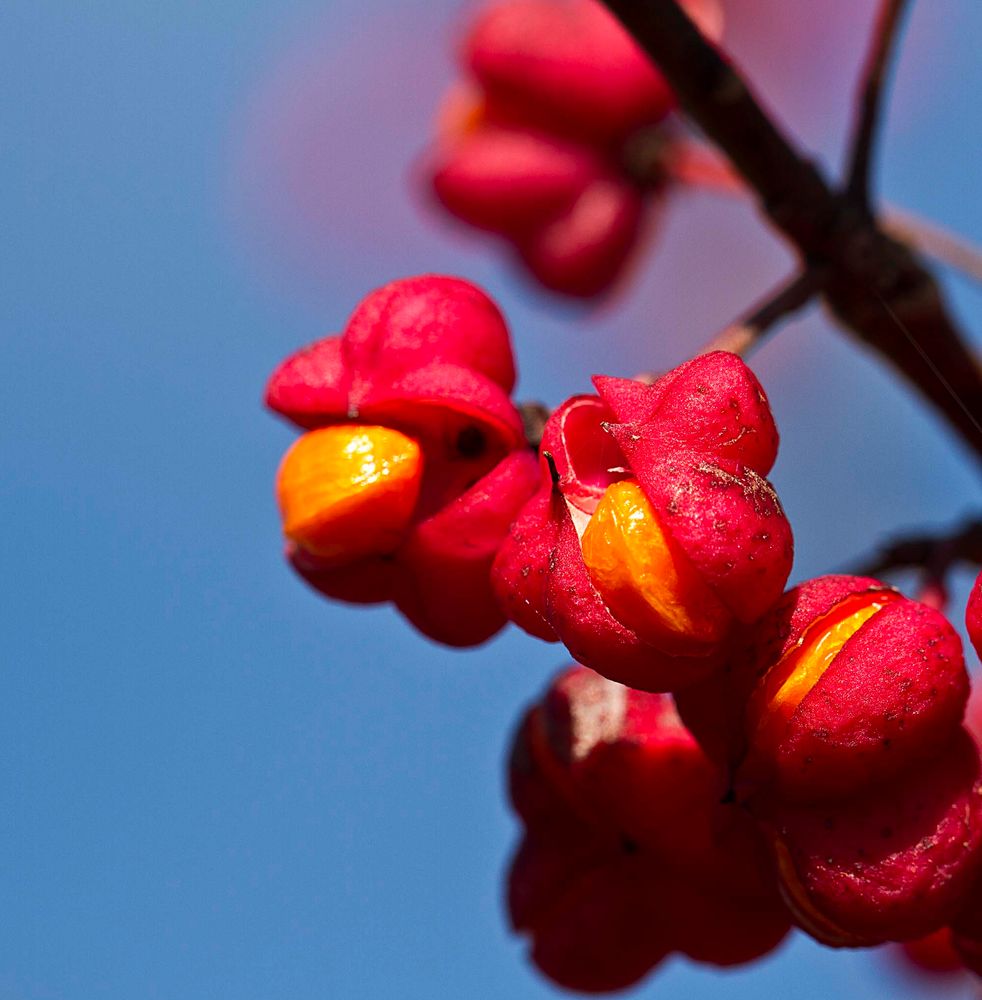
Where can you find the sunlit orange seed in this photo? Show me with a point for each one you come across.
(349, 491)
(644, 578)
(787, 683)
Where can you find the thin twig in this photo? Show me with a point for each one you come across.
(739, 338)
(746, 333)
(873, 80)
(697, 165)
(865, 266)
(534, 416)
(934, 241)
(934, 553)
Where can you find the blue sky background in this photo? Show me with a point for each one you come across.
(215, 784)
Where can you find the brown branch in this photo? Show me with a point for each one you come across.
(876, 286)
(936, 554)
(739, 338)
(885, 37)
(746, 333)
(719, 101)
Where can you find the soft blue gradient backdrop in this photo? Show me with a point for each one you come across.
(214, 784)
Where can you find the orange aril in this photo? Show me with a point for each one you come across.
(349, 491)
(645, 579)
(800, 669)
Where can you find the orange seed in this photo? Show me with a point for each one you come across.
(349, 491)
(800, 669)
(645, 579)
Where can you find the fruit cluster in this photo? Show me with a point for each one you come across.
(414, 462)
(813, 767)
(840, 725)
(628, 853)
(558, 143)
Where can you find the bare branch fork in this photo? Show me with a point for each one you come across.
(875, 285)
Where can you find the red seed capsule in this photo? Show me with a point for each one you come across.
(892, 864)
(973, 615)
(853, 684)
(416, 461)
(628, 853)
(557, 141)
(654, 534)
(934, 954)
